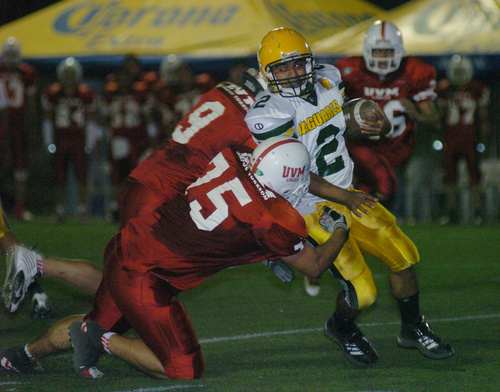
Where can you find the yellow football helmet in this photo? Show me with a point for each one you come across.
(281, 46)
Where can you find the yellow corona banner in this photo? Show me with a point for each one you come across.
(430, 27)
(215, 28)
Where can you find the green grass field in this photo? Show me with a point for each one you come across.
(259, 334)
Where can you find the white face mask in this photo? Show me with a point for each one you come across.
(295, 197)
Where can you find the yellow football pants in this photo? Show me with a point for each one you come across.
(376, 234)
(4, 226)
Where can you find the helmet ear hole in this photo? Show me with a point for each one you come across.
(282, 164)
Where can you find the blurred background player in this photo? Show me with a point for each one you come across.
(176, 92)
(68, 111)
(19, 82)
(180, 77)
(463, 104)
(237, 70)
(125, 107)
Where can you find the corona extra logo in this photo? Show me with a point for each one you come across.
(86, 17)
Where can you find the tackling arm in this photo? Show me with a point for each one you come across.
(312, 262)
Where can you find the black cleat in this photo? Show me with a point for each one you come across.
(86, 341)
(355, 346)
(15, 360)
(421, 337)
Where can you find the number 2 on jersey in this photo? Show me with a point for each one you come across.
(325, 169)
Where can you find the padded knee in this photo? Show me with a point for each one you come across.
(360, 291)
(365, 289)
(185, 360)
(379, 235)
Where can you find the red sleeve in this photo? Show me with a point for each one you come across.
(347, 64)
(422, 77)
(354, 75)
(286, 232)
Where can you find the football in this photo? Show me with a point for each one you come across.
(357, 111)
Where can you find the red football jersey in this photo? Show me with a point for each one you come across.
(167, 115)
(462, 106)
(18, 83)
(69, 114)
(126, 110)
(216, 122)
(226, 218)
(415, 79)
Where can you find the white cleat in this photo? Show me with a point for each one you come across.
(22, 270)
(312, 286)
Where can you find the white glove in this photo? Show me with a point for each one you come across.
(331, 220)
(281, 270)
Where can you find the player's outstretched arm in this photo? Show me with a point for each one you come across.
(358, 202)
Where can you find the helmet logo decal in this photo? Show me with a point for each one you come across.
(295, 53)
(293, 173)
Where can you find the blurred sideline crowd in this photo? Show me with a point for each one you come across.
(66, 145)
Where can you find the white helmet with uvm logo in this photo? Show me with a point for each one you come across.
(383, 37)
(282, 164)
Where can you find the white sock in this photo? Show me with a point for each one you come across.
(105, 340)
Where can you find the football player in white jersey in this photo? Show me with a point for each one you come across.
(304, 100)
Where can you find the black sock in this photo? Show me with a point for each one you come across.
(409, 308)
(342, 324)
